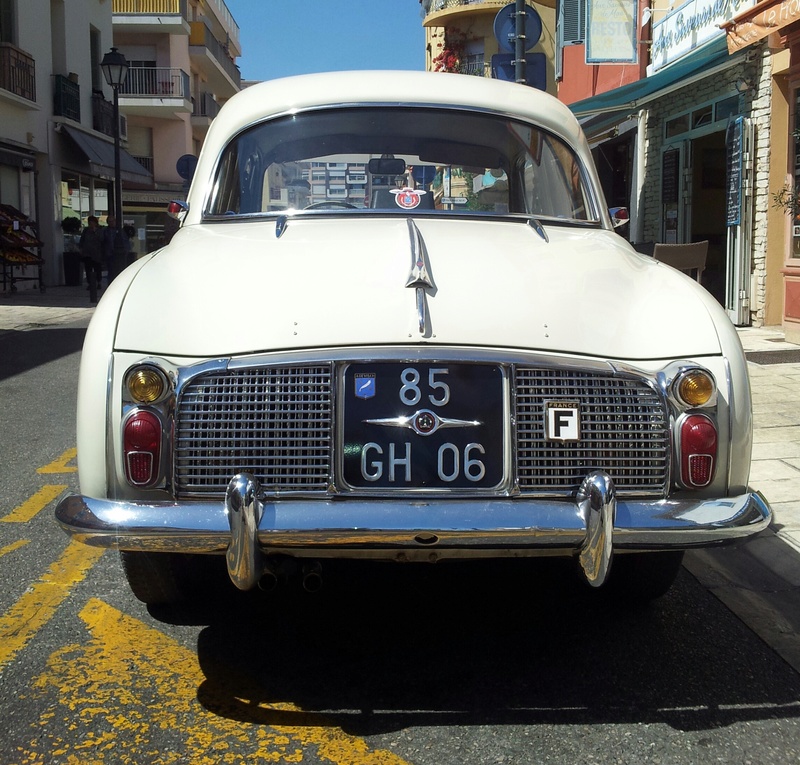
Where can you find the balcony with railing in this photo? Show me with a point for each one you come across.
(17, 72)
(155, 91)
(151, 16)
(214, 60)
(66, 98)
(102, 114)
(433, 6)
(146, 162)
(205, 106)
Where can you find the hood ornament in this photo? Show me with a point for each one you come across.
(419, 277)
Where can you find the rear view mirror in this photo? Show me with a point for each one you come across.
(386, 166)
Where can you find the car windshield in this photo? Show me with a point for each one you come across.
(400, 159)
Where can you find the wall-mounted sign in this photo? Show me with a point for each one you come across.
(689, 27)
(611, 31)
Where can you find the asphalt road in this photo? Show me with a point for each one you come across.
(491, 663)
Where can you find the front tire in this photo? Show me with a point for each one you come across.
(159, 579)
(636, 579)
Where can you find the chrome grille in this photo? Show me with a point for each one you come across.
(624, 431)
(275, 422)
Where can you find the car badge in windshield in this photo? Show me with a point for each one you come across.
(408, 198)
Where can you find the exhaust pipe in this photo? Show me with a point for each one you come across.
(268, 581)
(312, 576)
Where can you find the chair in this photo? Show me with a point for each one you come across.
(684, 257)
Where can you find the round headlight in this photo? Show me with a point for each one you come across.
(695, 387)
(146, 385)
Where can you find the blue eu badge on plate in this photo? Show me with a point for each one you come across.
(364, 385)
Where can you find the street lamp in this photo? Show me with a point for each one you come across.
(115, 70)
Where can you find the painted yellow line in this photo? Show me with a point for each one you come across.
(13, 546)
(28, 509)
(38, 604)
(60, 465)
(141, 689)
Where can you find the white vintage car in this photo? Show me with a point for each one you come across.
(397, 323)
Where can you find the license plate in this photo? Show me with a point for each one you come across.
(422, 426)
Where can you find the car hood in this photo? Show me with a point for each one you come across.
(235, 288)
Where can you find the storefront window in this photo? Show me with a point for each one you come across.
(704, 116)
(726, 108)
(708, 114)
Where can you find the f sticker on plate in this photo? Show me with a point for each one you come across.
(364, 385)
(563, 420)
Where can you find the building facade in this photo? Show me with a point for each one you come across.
(182, 56)
(460, 36)
(56, 122)
(56, 114)
(696, 147)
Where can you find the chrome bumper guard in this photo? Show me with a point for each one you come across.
(248, 528)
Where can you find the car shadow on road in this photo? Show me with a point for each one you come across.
(384, 648)
(23, 351)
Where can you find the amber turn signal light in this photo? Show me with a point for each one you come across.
(146, 385)
(695, 387)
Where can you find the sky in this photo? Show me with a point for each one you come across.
(286, 37)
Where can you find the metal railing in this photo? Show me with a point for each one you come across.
(156, 82)
(178, 8)
(205, 106)
(66, 98)
(474, 65)
(102, 114)
(145, 162)
(201, 36)
(17, 71)
(150, 7)
(431, 6)
(227, 20)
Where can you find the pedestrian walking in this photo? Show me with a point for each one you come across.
(114, 248)
(91, 247)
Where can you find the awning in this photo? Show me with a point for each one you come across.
(704, 62)
(100, 155)
(758, 22)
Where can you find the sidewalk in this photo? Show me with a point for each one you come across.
(29, 308)
(776, 394)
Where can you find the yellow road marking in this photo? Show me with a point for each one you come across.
(38, 604)
(141, 689)
(28, 509)
(13, 546)
(60, 465)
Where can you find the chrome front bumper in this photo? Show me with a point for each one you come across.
(248, 529)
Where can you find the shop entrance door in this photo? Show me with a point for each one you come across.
(713, 201)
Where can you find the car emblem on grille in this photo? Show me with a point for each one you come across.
(364, 385)
(563, 420)
(423, 422)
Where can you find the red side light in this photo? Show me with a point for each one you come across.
(141, 446)
(698, 450)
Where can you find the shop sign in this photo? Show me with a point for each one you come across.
(689, 27)
(773, 18)
(611, 31)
